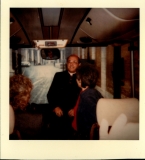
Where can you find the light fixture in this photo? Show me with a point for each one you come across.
(54, 43)
(88, 20)
(86, 39)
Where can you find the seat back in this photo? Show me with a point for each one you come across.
(122, 115)
(110, 109)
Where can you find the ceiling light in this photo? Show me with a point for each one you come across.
(54, 43)
(88, 20)
(86, 39)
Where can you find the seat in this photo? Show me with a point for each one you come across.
(121, 115)
(28, 124)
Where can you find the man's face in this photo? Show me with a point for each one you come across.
(72, 64)
(50, 55)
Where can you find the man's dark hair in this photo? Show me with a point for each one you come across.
(88, 75)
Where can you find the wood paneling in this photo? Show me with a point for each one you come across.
(126, 89)
(109, 69)
(98, 64)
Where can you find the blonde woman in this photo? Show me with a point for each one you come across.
(20, 89)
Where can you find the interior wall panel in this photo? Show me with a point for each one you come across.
(126, 90)
(98, 64)
(109, 69)
(136, 70)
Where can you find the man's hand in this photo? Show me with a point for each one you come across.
(71, 112)
(58, 111)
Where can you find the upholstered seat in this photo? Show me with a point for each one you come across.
(28, 124)
(122, 115)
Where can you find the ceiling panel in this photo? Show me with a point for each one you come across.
(124, 13)
(51, 16)
(105, 27)
(70, 20)
(30, 21)
(107, 24)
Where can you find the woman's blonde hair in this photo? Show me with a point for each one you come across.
(20, 88)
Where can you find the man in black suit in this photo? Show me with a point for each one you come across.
(62, 97)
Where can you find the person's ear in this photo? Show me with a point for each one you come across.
(79, 64)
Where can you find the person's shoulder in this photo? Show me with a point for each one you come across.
(90, 90)
(11, 108)
(12, 119)
(61, 74)
(93, 91)
(98, 93)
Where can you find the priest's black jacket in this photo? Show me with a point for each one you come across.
(63, 91)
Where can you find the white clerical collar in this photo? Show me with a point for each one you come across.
(71, 73)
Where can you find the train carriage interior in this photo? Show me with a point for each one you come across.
(105, 37)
